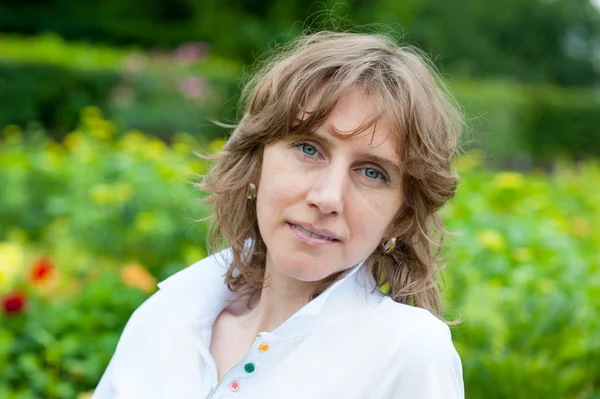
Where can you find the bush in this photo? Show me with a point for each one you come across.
(519, 126)
(86, 228)
(88, 225)
(525, 277)
(49, 80)
(51, 95)
(127, 186)
(561, 123)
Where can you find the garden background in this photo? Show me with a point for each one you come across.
(102, 105)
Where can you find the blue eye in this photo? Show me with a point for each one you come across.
(308, 149)
(373, 174)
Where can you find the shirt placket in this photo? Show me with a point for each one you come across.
(232, 383)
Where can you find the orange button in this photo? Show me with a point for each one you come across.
(263, 347)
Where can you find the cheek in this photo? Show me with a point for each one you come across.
(372, 217)
(278, 188)
(281, 178)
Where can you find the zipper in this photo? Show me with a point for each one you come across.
(216, 387)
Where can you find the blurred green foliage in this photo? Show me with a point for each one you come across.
(519, 126)
(49, 80)
(525, 40)
(129, 184)
(524, 275)
(516, 125)
(113, 211)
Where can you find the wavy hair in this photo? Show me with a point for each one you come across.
(411, 97)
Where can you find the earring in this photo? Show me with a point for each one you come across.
(251, 193)
(388, 246)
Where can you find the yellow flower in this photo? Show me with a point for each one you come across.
(122, 192)
(101, 194)
(182, 148)
(217, 145)
(101, 129)
(132, 141)
(52, 157)
(156, 149)
(137, 276)
(491, 240)
(3, 279)
(193, 254)
(522, 255)
(72, 140)
(196, 166)
(90, 113)
(145, 221)
(580, 227)
(509, 180)
(85, 395)
(11, 261)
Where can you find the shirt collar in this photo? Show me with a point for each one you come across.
(200, 293)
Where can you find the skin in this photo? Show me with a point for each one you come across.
(349, 186)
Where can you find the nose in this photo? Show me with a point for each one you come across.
(327, 190)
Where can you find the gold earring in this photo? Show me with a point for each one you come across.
(251, 193)
(388, 246)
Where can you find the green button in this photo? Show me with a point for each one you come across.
(249, 367)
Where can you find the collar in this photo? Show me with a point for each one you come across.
(200, 293)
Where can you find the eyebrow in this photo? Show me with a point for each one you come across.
(368, 156)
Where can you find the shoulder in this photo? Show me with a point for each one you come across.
(421, 360)
(414, 332)
(213, 267)
(182, 296)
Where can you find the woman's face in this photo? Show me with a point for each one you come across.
(324, 203)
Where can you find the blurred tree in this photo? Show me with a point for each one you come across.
(527, 40)
(554, 41)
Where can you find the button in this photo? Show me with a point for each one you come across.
(249, 367)
(234, 386)
(263, 347)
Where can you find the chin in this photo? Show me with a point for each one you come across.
(303, 267)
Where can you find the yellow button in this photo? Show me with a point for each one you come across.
(263, 347)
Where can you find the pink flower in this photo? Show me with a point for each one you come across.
(191, 52)
(193, 87)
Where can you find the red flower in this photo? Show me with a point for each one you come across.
(42, 271)
(13, 302)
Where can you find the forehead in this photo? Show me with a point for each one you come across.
(356, 118)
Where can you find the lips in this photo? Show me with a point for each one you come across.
(312, 232)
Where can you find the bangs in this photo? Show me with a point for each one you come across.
(312, 106)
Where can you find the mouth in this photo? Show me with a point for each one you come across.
(314, 235)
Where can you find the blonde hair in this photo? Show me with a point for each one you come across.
(412, 99)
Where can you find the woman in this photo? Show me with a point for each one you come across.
(327, 193)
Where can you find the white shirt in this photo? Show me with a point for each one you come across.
(347, 343)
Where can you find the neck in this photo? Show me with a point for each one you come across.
(280, 298)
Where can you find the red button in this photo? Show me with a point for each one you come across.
(234, 386)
